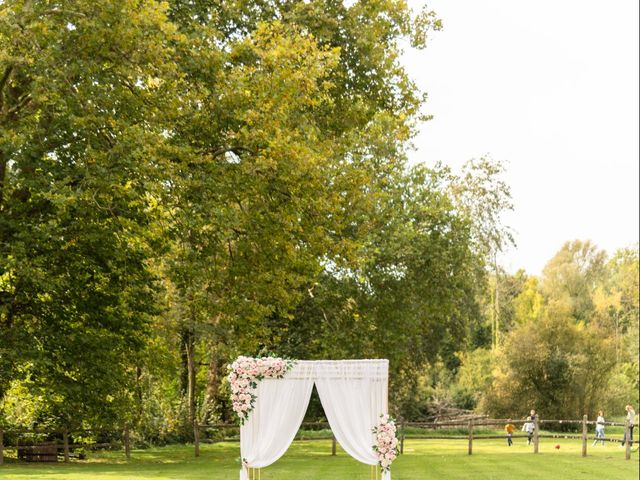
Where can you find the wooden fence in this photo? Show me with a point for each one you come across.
(537, 435)
(64, 447)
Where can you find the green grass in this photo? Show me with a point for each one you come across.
(312, 460)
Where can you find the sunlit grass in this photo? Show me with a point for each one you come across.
(423, 459)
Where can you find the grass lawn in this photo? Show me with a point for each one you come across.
(312, 460)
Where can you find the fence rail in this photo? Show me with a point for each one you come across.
(537, 435)
(65, 447)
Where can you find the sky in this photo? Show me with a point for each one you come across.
(550, 87)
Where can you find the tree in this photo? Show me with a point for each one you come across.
(616, 298)
(504, 289)
(271, 184)
(410, 299)
(567, 355)
(549, 366)
(570, 277)
(617, 313)
(80, 150)
(251, 220)
(529, 304)
(474, 377)
(484, 196)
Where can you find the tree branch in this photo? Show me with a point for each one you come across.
(4, 79)
(230, 250)
(222, 150)
(23, 102)
(59, 11)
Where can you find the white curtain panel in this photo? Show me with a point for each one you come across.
(278, 413)
(354, 395)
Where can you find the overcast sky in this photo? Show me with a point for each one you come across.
(551, 87)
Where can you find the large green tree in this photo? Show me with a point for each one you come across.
(82, 117)
(296, 111)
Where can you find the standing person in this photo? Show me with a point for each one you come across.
(509, 428)
(532, 427)
(631, 416)
(529, 427)
(599, 428)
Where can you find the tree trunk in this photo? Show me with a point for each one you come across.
(188, 372)
(184, 362)
(3, 174)
(191, 364)
(496, 303)
(214, 378)
(139, 392)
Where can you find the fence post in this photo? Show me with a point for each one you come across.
(333, 445)
(127, 443)
(470, 437)
(1, 446)
(65, 445)
(402, 438)
(584, 435)
(536, 425)
(196, 438)
(627, 437)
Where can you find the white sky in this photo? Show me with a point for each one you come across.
(551, 87)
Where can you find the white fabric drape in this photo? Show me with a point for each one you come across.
(278, 413)
(354, 395)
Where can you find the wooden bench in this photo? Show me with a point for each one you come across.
(40, 452)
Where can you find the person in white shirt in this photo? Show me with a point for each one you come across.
(529, 427)
(599, 428)
(631, 417)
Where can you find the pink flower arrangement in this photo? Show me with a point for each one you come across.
(386, 446)
(244, 375)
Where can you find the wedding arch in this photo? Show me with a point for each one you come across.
(271, 396)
